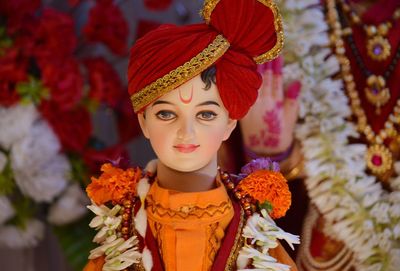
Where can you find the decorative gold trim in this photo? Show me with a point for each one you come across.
(275, 51)
(238, 244)
(207, 9)
(181, 74)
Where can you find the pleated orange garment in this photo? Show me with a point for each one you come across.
(188, 227)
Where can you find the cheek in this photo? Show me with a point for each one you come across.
(213, 138)
(159, 138)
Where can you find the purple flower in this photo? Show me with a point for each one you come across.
(259, 164)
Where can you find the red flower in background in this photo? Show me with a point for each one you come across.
(105, 84)
(145, 26)
(107, 24)
(15, 9)
(8, 95)
(157, 4)
(55, 36)
(73, 127)
(128, 124)
(12, 70)
(64, 80)
(117, 155)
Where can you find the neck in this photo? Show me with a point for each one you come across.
(195, 181)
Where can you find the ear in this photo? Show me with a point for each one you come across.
(142, 123)
(229, 128)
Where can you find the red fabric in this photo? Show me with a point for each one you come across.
(381, 11)
(249, 27)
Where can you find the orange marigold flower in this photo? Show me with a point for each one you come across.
(271, 186)
(95, 264)
(113, 184)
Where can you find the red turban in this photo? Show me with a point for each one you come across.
(236, 35)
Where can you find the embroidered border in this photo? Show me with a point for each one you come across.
(274, 52)
(238, 244)
(182, 74)
(198, 212)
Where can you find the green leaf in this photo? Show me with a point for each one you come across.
(266, 205)
(79, 171)
(32, 91)
(25, 209)
(76, 241)
(5, 41)
(7, 184)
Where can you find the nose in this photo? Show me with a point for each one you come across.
(185, 130)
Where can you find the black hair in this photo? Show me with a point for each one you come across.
(208, 76)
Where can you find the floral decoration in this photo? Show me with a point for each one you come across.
(262, 180)
(50, 91)
(113, 184)
(360, 212)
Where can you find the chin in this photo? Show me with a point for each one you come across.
(186, 167)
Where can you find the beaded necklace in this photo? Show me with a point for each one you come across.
(379, 158)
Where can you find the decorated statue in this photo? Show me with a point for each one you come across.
(189, 85)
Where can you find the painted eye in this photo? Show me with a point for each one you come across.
(206, 115)
(165, 115)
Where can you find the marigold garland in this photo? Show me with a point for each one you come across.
(271, 186)
(113, 184)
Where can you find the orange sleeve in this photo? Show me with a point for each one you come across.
(281, 255)
(95, 264)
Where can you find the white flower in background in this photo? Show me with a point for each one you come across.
(16, 238)
(69, 207)
(36, 148)
(6, 209)
(39, 170)
(3, 161)
(45, 184)
(15, 123)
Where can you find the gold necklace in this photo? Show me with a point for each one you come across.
(378, 46)
(379, 158)
(376, 92)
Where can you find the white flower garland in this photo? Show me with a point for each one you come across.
(362, 215)
(262, 230)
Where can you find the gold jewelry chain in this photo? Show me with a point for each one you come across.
(362, 123)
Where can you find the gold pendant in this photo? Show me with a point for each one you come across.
(376, 92)
(378, 48)
(379, 159)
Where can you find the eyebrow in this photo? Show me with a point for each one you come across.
(161, 102)
(201, 104)
(209, 103)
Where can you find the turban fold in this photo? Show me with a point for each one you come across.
(236, 35)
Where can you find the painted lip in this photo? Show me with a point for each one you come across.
(186, 148)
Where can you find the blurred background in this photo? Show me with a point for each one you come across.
(64, 108)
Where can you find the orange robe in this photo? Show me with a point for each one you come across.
(188, 227)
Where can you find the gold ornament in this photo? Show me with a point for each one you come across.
(378, 48)
(379, 159)
(376, 92)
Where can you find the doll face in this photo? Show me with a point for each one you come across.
(187, 126)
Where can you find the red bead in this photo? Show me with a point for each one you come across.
(377, 160)
(230, 186)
